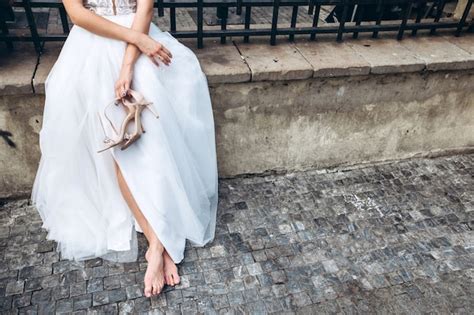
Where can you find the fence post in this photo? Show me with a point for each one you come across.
(464, 17)
(200, 4)
(4, 30)
(276, 8)
(32, 25)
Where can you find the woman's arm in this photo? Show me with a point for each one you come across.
(97, 24)
(141, 23)
(104, 27)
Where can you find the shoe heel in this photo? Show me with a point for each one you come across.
(150, 108)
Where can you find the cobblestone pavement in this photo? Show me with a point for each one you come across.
(392, 238)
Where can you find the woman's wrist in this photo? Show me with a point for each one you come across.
(127, 67)
(134, 37)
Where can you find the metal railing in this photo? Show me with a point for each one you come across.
(353, 16)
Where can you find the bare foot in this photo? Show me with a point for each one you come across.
(154, 278)
(170, 270)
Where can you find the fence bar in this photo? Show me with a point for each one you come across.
(406, 14)
(359, 15)
(439, 12)
(32, 24)
(64, 21)
(294, 15)
(222, 14)
(310, 7)
(248, 12)
(200, 23)
(4, 29)
(173, 19)
(238, 10)
(161, 9)
(276, 8)
(419, 15)
(342, 22)
(463, 18)
(317, 11)
(380, 11)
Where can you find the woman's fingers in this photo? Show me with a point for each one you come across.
(152, 58)
(167, 52)
(163, 53)
(121, 88)
(117, 91)
(126, 86)
(163, 57)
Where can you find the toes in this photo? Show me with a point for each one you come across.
(167, 279)
(148, 291)
(155, 289)
(176, 278)
(170, 276)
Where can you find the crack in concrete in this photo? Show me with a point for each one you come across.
(38, 60)
(243, 58)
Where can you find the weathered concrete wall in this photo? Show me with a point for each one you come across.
(291, 106)
(293, 125)
(20, 121)
(319, 123)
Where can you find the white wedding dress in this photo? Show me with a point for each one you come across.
(171, 170)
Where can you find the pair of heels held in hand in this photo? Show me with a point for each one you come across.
(134, 103)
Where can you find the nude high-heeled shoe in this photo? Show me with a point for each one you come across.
(134, 102)
(137, 101)
(120, 136)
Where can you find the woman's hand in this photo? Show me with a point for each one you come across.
(153, 49)
(122, 85)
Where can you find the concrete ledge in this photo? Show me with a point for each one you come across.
(258, 61)
(222, 63)
(333, 60)
(16, 72)
(292, 106)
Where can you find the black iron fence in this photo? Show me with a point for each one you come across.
(346, 17)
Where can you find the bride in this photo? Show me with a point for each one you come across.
(93, 194)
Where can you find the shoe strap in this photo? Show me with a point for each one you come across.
(107, 117)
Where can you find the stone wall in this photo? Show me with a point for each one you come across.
(292, 106)
(320, 123)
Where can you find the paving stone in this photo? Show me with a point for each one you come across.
(20, 301)
(64, 306)
(126, 307)
(112, 282)
(389, 238)
(117, 295)
(35, 272)
(78, 288)
(82, 302)
(15, 287)
(100, 298)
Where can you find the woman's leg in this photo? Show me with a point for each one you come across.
(154, 279)
(160, 265)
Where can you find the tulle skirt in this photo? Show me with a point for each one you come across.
(171, 170)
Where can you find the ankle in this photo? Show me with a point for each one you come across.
(156, 247)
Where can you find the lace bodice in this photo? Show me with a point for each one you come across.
(111, 7)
